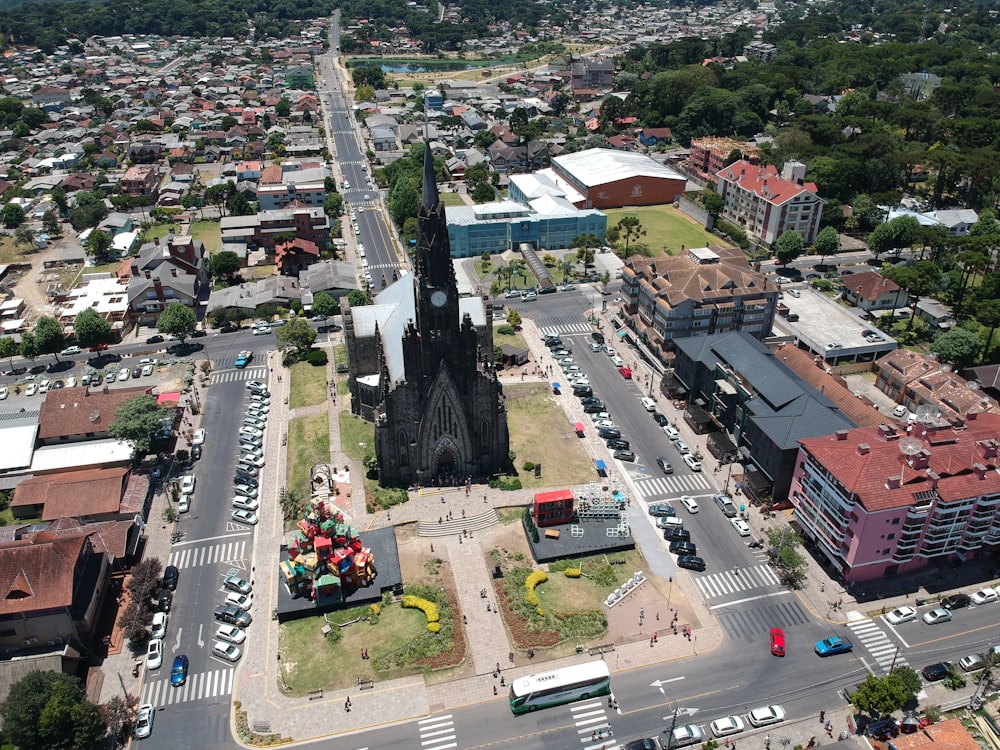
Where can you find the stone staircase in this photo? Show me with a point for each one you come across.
(458, 525)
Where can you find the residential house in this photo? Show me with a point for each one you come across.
(244, 234)
(141, 182)
(871, 291)
(767, 204)
(652, 137)
(295, 256)
(591, 75)
(282, 185)
(878, 502)
(915, 380)
(163, 272)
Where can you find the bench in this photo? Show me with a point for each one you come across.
(365, 684)
(261, 727)
(552, 533)
(315, 695)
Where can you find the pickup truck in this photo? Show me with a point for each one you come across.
(243, 358)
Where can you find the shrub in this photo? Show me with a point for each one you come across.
(506, 330)
(430, 609)
(434, 627)
(572, 572)
(529, 465)
(533, 580)
(317, 357)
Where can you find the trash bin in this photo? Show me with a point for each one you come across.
(920, 601)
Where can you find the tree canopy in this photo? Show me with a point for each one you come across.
(49, 338)
(138, 419)
(958, 346)
(789, 246)
(51, 710)
(296, 333)
(224, 265)
(91, 328)
(177, 319)
(325, 305)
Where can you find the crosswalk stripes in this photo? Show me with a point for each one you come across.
(198, 687)
(884, 651)
(437, 733)
(231, 553)
(563, 329)
(729, 582)
(759, 619)
(650, 486)
(232, 376)
(592, 725)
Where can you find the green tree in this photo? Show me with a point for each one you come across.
(177, 320)
(959, 346)
(137, 420)
(51, 710)
(916, 280)
(713, 202)
(631, 229)
(987, 312)
(877, 696)
(325, 305)
(333, 204)
(98, 244)
(296, 333)
(283, 107)
(788, 246)
(49, 337)
(12, 215)
(910, 679)
(50, 222)
(224, 265)
(9, 349)
(88, 210)
(827, 242)
(513, 318)
(29, 348)
(482, 192)
(357, 298)
(91, 328)
(403, 201)
(24, 235)
(893, 235)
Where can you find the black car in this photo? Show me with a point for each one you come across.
(956, 601)
(154, 340)
(583, 390)
(624, 455)
(233, 615)
(659, 419)
(618, 444)
(677, 535)
(679, 547)
(665, 466)
(590, 400)
(198, 334)
(241, 478)
(935, 672)
(554, 343)
(228, 328)
(136, 372)
(170, 576)
(606, 433)
(691, 562)
(593, 408)
(644, 744)
(195, 452)
(598, 337)
(164, 600)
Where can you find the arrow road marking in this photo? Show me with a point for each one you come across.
(659, 683)
(201, 643)
(177, 645)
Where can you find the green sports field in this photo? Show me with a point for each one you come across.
(666, 228)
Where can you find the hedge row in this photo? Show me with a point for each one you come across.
(533, 580)
(430, 610)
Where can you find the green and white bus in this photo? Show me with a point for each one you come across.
(559, 686)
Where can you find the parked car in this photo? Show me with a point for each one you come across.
(681, 446)
(936, 616)
(900, 615)
(170, 577)
(688, 734)
(661, 509)
(245, 479)
(741, 526)
(726, 726)
(679, 547)
(187, 483)
(692, 462)
(235, 583)
(243, 601)
(165, 600)
(665, 466)
(956, 601)
(671, 432)
(158, 626)
(232, 615)
(765, 715)
(230, 634)
(199, 437)
(154, 654)
(144, 721)
(618, 444)
(971, 662)
(245, 489)
(244, 516)
(608, 432)
(691, 562)
(985, 596)
(677, 534)
(624, 455)
(935, 672)
(245, 503)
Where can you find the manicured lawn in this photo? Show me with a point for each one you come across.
(356, 436)
(209, 233)
(156, 232)
(484, 269)
(542, 434)
(308, 385)
(515, 339)
(665, 225)
(452, 199)
(308, 444)
(310, 661)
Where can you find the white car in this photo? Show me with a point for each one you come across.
(985, 596)
(154, 654)
(761, 717)
(147, 370)
(254, 413)
(262, 406)
(937, 615)
(245, 503)
(199, 437)
(3, 392)
(244, 516)
(31, 390)
(605, 423)
(251, 460)
(187, 484)
(251, 450)
(71, 381)
(727, 726)
(159, 627)
(693, 463)
(184, 503)
(260, 424)
(123, 374)
(690, 503)
(43, 385)
(227, 651)
(230, 634)
(69, 351)
(244, 601)
(144, 721)
(741, 526)
(618, 361)
(251, 431)
(900, 615)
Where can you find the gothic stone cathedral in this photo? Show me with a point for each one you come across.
(421, 367)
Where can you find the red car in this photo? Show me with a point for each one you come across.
(625, 372)
(777, 641)
(99, 348)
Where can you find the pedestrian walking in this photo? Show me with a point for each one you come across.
(503, 682)
(465, 620)
(642, 611)
(494, 690)
(347, 704)
(822, 717)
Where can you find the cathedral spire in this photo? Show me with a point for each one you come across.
(430, 193)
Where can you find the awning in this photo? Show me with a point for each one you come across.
(600, 465)
(556, 386)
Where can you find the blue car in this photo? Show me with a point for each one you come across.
(179, 671)
(834, 645)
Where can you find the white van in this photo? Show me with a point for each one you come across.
(648, 404)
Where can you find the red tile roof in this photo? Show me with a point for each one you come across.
(38, 575)
(90, 492)
(870, 285)
(945, 735)
(960, 458)
(76, 412)
(765, 182)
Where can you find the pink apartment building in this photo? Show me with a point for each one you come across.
(893, 499)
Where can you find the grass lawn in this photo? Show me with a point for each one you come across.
(156, 232)
(209, 233)
(562, 594)
(541, 434)
(515, 339)
(308, 385)
(484, 269)
(452, 199)
(665, 225)
(11, 252)
(356, 435)
(310, 661)
(308, 444)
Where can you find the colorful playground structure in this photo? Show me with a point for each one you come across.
(327, 560)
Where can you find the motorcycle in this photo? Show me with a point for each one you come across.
(756, 544)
